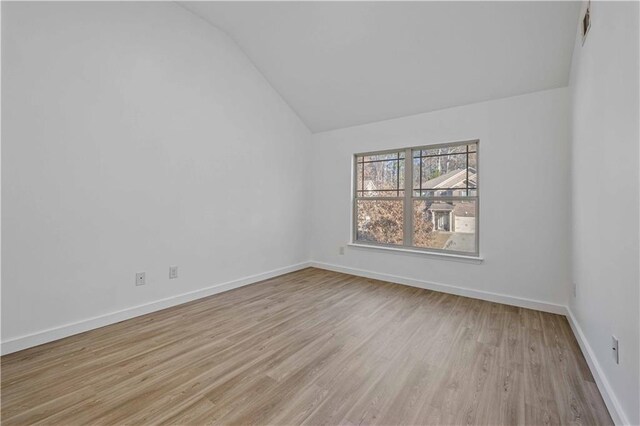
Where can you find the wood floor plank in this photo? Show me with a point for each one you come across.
(311, 347)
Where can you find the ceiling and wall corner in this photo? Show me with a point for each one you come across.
(352, 63)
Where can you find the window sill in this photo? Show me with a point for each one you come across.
(443, 256)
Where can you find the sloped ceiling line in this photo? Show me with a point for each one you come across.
(341, 64)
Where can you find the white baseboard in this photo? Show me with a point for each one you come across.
(49, 335)
(55, 333)
(615, 409)
(446, 288)
(613, 405)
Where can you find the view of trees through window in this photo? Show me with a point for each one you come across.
(442, 195)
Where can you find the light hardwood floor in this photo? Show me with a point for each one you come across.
(312, 347)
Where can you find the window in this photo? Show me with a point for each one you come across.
(422, 198)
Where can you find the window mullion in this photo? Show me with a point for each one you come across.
(408, 190)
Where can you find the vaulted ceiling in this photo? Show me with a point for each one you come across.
(340, 64)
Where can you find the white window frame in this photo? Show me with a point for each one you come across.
(409, 197)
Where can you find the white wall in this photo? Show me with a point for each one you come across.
(129, 130)
(605, 188)
(137, 136)
(524, 204)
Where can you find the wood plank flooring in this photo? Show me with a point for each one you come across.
(311, 347)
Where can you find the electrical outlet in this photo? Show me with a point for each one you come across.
(575, 290)
(173, 272)
(615, 349)
(341, 250)
(140, 278)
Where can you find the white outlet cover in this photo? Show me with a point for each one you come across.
(140, 278)
(615, 349)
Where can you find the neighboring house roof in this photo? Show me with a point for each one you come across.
(441, 207)
(465, 210)
(453, 179)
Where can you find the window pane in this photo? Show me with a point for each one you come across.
(416, 172)
(457, 149)
(445, 171)
(445, 225)
(380, 157)
(379, 221)
(383, 175)
(472, 170)
(445, 150)
(380, 177)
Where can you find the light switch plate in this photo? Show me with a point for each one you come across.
(173, 272)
